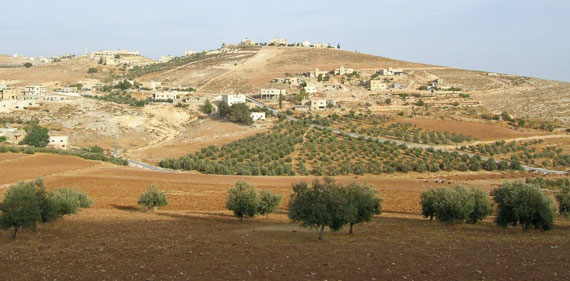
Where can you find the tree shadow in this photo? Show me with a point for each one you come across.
(126, 208)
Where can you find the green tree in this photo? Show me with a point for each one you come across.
(24, 205)
(240, 113)
(427, 200)
(456, 205)
(364, 202)
(37, 136)
(223, 109)
(320, 205)
(153, 198)
(280, 101)
(482, 206)
(208, 107)
(563, 198)
(92, 70)
(268, 202)
(28, 65)
(524, 204)
(243, 200)
(420, 103)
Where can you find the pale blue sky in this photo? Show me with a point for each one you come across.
(520, 37)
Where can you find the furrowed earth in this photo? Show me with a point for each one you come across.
(195, 238)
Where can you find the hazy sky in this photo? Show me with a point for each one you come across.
(520, 37)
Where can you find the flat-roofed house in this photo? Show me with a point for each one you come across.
(58, 142)
(311, 88)
(272, 94)
(377, 84)
(233, 99)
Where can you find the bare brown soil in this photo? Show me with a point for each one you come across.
(203, 134)
(14, 169)
(194, 238)
(478, 130)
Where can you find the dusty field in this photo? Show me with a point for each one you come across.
(480, 131)
(202, 134)
(69, 71)
(19, 168)
(124, 244)
(194, 238)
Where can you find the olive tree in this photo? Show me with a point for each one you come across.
(319, 205)
(524, 204)
(153, 198)
(563, 198)
(364, 202)
(243, 200)
(23, 206)
(456, 205)
(268, 202)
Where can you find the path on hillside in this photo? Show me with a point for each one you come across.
(231, 71)
(399, 142)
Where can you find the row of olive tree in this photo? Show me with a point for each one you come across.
(517, 203)
(456, 205)
(26, 204)
(246, 202)
(328, 204)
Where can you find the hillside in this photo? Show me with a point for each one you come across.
(6, 60)
(67, 71)
(249, 71)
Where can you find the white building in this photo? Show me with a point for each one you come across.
(151, 84)
(257, 116)
(189, 53)
(391, 71)
(377, 84)
(318, 105)
(165, 96)
(278, 41)
(311, 88)
(247, 42)
(342, 71)
(233, 99)
(320, 45)
(34, 92)
(317, 72)
(305, 44)
(58, 142)
(272, 94)
(165, 59)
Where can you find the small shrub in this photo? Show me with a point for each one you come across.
(153, 198)
(268, 202)
(66, 201)
(524, 204)
(243, 200)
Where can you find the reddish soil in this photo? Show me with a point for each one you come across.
(37, 165)
(194, 238)
(478, 130)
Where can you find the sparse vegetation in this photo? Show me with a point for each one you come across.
(153, 198)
